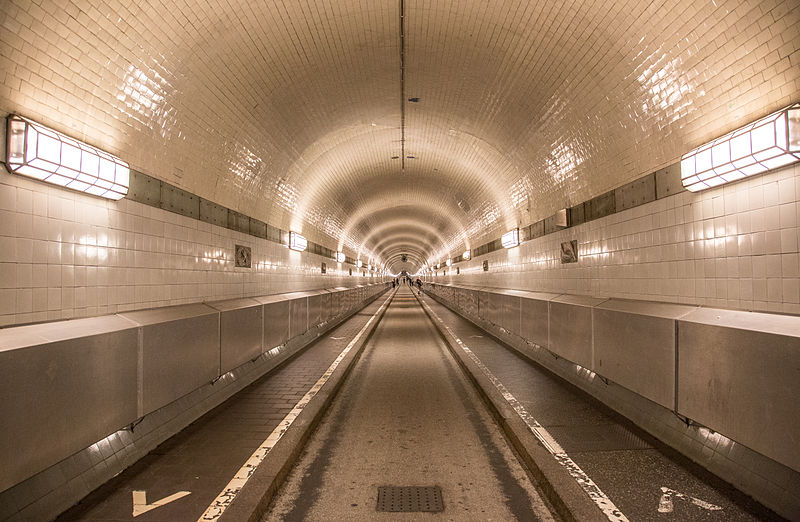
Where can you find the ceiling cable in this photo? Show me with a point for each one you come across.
(402, 88)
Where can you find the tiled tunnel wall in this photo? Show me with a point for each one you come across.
(65, 255)
(542, 107)
(734, 246)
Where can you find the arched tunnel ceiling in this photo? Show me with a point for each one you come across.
(292, 111)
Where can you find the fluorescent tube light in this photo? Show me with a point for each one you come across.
(39, 152)
(510, 239)
(297, 242)
(769, 143)
(340, 257)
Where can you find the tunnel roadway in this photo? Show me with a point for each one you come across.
(408, 417)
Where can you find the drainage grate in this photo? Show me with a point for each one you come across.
(409, 499)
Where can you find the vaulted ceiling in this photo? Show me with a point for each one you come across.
(390, 127)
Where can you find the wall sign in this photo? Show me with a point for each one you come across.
(569, 251)
(486, 265)
(243, 256)
(324, 268)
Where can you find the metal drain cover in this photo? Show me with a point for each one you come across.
(410, 499)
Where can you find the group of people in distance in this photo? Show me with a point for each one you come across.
(406, 279)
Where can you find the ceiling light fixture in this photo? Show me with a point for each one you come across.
(510, 239)
(769, 143)
(39, 152)
(297, 242)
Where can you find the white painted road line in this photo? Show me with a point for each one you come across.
(592, 490)
(140, 505)
(224, 499)
(665, 503)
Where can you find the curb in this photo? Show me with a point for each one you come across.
(559, 487)
(253, 500)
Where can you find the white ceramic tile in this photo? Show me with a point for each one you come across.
(537, 137)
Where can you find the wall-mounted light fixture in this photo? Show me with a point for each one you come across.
(769, 143)
(39, 152)
(340, 257)
(510, 239)
(448, 262)
(561, 218)
(297, 242)
(466, 255)
(359, 263)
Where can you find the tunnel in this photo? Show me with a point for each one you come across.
(400, 259)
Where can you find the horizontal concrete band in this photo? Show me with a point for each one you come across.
(160, 194)
(734, 372)
(68, 384)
